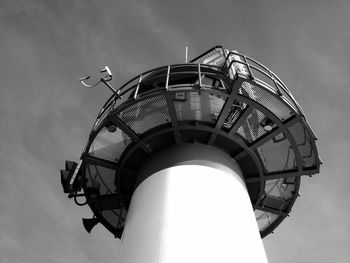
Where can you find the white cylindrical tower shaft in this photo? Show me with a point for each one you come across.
(191, 205)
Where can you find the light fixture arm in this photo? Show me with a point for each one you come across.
(104, 80)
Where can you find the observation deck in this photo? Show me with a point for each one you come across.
(221, 98)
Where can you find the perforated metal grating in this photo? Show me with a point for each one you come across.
(264, 219)
(114, 217)
(146, 114)
(234, 113)
(253, 127)
(267, 99)
(277, 154)
(109, 145)
(101, 178)
(280, 188)
(199, 106)
(302, 139)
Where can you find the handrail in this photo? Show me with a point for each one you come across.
(274, 76)
(124, 89)
(199, 68)
(267, 69)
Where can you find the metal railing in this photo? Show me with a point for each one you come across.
(277, 85)
(133, 86)
(165, 72)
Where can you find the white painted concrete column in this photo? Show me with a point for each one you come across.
(191, 205)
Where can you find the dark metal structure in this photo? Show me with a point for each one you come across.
(221, 98)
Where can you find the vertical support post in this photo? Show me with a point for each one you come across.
(137, 87)
(199, 75)
(248, 67)
(167, 78)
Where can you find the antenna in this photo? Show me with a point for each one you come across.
(186, 54)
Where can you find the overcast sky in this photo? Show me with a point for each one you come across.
(46, 115)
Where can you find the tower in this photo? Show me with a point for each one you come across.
(194, 162)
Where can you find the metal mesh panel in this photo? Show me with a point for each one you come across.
(104, 112)
(267, 99)
(146, 114)
(197, 106)
(252, 128)
(264, 79)
(264, 219)
(109, 145)
(302, 139)
(127, 96)
(216, 104)
(100, 177)
(277, 154)
(211, 82)
(114, 217)
(279, 188)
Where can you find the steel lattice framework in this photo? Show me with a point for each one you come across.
(221, 98)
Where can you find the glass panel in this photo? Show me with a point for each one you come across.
(182, 79)
(277, 154)
(267, 99)
(109, 144)
(101, 178)
(256, 125)
(264, 219)
(302, 139)
(153, 80)
(146, 114)
(197, 106)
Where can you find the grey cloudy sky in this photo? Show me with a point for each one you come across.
(46, 115)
